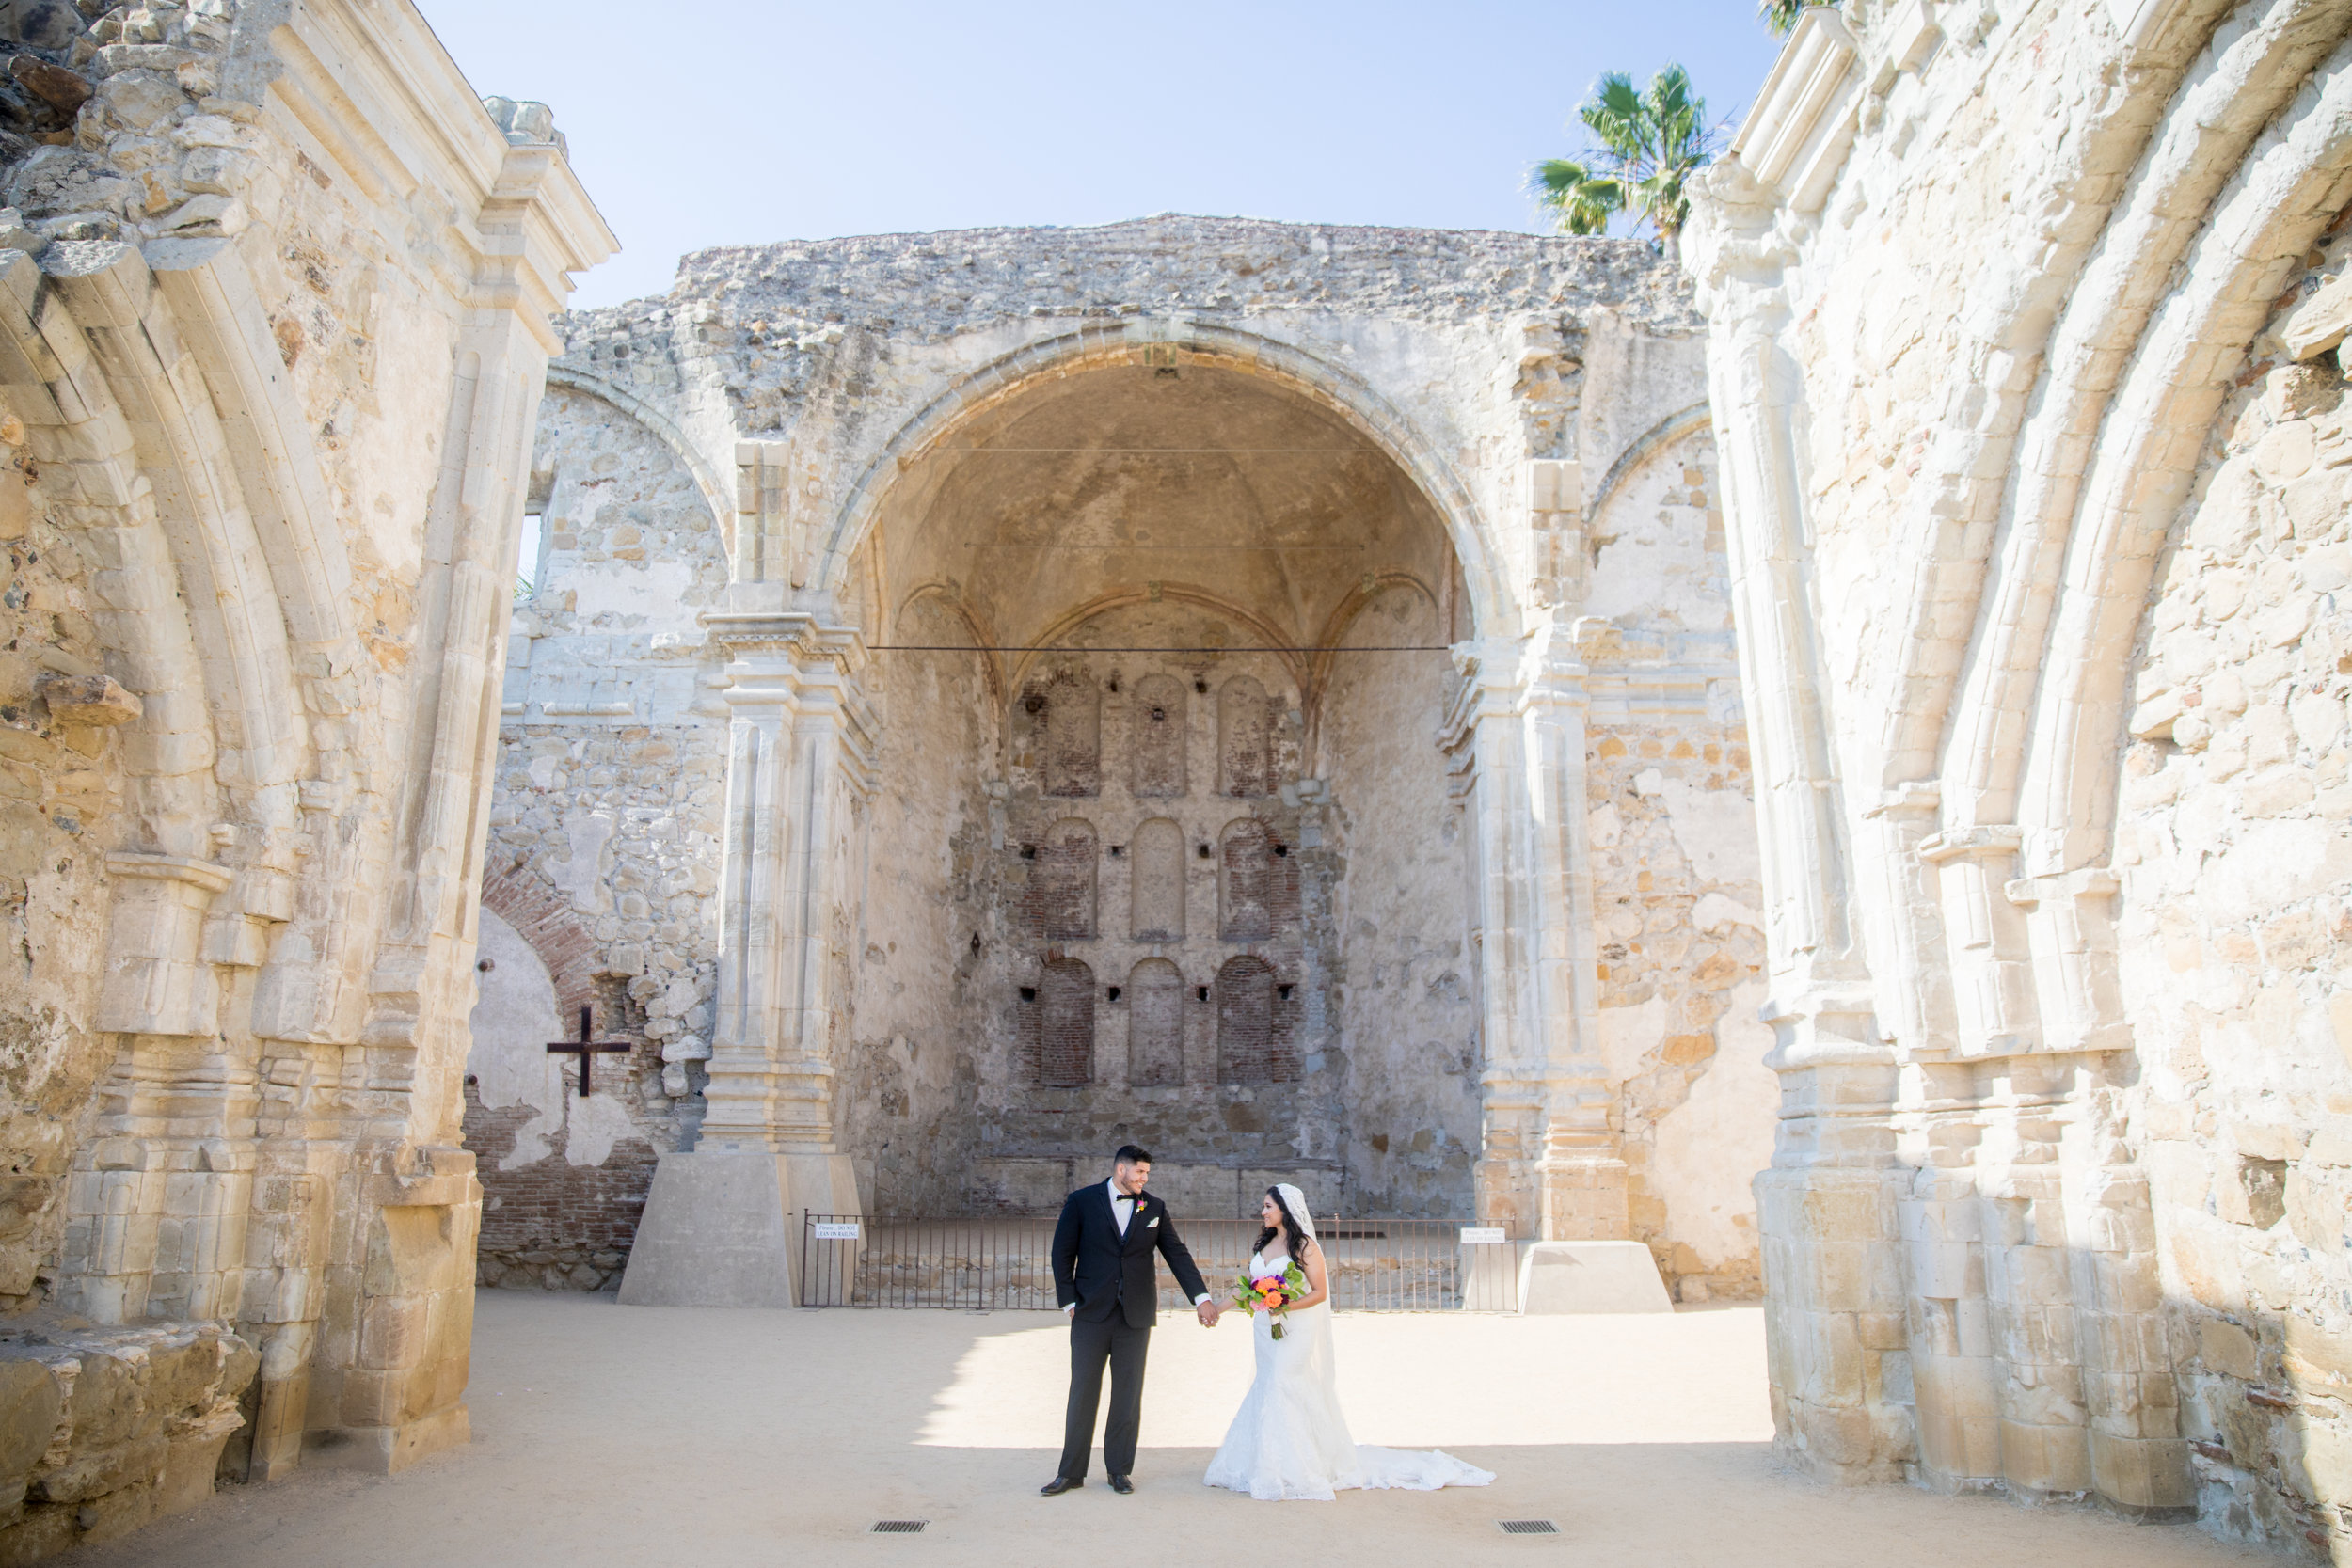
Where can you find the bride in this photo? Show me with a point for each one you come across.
(1289, 1440)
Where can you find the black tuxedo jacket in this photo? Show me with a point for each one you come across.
(1105, 1272)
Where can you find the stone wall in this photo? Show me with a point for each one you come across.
(2020, 326)
(273, 323)
(1134, 469)
(109, 1428)
(603, 851)
(2232, 930)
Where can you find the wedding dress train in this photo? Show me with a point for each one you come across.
(1289, 1438)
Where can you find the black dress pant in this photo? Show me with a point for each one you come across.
(1114, 1341)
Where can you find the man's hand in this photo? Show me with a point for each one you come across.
(1208, 1312)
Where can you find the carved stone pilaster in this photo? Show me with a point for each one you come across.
(1552, 1165)
(723, 1224)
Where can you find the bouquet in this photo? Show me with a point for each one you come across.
(1274, 1296)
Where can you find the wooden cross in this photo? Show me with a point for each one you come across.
(587, 1049)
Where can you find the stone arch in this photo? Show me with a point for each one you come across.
(975, 625)
(1495, 607)
(1256, 896)
(2253, 245)
(1657, 438)
(1063, 1019)
(2022, 743)
(1155, 1024)
(718, 495)
(1157, 737)
(1060, 896)
(631, 529)
(1244, 739)
(1253, 1037)
(1272, 639)
(2116, 317)
(1318, 679)
(1155, 885)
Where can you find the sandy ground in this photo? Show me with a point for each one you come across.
(652, 1436)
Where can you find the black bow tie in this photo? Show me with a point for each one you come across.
(1129, 1197)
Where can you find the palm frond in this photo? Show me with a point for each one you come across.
(1646, 143)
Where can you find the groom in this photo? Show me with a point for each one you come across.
(1103, 1278)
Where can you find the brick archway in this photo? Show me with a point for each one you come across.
(541, 917)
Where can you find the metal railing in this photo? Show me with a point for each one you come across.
(1006, 1263)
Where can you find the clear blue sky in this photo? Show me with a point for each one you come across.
(732, 121)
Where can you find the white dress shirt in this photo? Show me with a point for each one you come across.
(1123, 1210)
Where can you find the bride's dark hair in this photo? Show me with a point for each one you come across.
(1293, 1235)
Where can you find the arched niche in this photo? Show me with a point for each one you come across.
(1063, 1018)
(1060, 897)
(1244, 739)
(1157, 737)
(1253, 887)
(1253, 1044)
(1155, 1024)
(1064, 714)
(1156, 887)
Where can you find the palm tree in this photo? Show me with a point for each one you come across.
(1781, 15)
(1649, 144)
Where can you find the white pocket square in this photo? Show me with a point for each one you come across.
(1149, 1223)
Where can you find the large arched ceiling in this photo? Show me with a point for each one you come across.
(1203, 481)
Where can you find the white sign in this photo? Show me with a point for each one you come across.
(1482, 1235)
(842, 1230)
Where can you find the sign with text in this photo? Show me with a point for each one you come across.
(835, 1230)
(1482, 1235)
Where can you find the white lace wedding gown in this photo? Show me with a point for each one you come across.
(1289, 1438)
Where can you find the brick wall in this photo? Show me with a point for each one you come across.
(1063, 1015)
(1254, 1041)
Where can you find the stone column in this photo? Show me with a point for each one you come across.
(1552, 1168)
(723, 1224)
(1827, 1210)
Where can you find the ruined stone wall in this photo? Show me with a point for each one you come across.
(1394, 857)
(1490, 451)
(273, 333)
(610, 768)
(2020, 338)
(62, 781)
(1676, 892)
(2233, 928)
(910, 1099)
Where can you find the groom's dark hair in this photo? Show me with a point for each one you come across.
(1130, 1155)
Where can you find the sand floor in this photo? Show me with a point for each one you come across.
(654, 1437)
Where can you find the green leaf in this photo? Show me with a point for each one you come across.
(1646, 143)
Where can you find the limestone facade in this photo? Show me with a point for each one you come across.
(275, 299)
(1454, 920)
(2023, 347)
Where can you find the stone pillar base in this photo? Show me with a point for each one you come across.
(1590, 1276)
(722, 1227)
(389, 1450)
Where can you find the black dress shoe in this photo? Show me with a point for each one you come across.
(1059, 1485)
(1121, 1485)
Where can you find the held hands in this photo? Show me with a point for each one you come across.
(1208, 1312)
